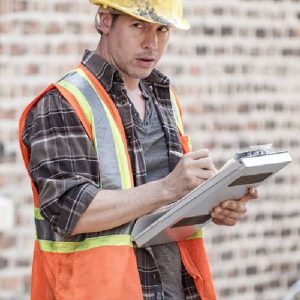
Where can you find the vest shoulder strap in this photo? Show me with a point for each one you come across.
(186, 142)
(106, 128)
(177, 110)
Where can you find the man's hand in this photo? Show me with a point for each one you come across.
(193, 169)
(230, 212)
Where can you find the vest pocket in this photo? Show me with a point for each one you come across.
(106, 272)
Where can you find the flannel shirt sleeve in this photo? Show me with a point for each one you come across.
(63, 162)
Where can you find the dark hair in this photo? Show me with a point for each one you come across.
(97, 21)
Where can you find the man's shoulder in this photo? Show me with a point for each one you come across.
(51, 100)
(51, 97)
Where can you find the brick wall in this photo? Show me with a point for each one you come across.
(236, 72)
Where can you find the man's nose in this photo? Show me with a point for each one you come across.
(150, 40)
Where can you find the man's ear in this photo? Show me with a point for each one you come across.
(105, 22)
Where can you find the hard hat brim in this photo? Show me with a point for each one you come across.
(182, 24)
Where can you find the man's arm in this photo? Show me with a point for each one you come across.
(113, 208)
(63, 162)
(110, 209)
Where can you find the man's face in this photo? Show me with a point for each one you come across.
(135, 47)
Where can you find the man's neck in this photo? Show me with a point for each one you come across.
(131, 83)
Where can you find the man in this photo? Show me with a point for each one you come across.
(103, 148)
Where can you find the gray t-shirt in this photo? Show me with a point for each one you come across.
(152, 138)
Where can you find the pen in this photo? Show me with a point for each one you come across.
(179, 154)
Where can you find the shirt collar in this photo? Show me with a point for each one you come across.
(157, 77)
(105, 72)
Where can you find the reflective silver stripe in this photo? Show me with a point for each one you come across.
(45, 232)
(108, 161)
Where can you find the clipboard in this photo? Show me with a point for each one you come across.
(180, 220)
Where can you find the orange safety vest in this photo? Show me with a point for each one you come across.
(103, 267)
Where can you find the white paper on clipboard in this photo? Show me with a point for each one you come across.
(181, 219)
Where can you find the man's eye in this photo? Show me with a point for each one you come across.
(164, 29)
(138, 25)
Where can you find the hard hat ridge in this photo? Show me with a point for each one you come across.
(149, 13)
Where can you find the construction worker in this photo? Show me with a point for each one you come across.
(103, 147)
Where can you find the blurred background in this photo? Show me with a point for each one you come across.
(237, 73)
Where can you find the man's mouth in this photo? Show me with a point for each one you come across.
(145, 61)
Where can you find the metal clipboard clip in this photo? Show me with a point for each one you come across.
(258, 150)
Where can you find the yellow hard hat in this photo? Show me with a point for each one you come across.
(165, 12)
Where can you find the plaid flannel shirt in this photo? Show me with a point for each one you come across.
(64, 164)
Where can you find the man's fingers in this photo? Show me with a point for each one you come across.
(228, 216)
(217, 221)
(224, 221)
(201, 153)
(206, 163)
(234, 205)
(231, 211)
(204, 174)
(197, 161)
(252, 194)
(222, 213)
(237, 204)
